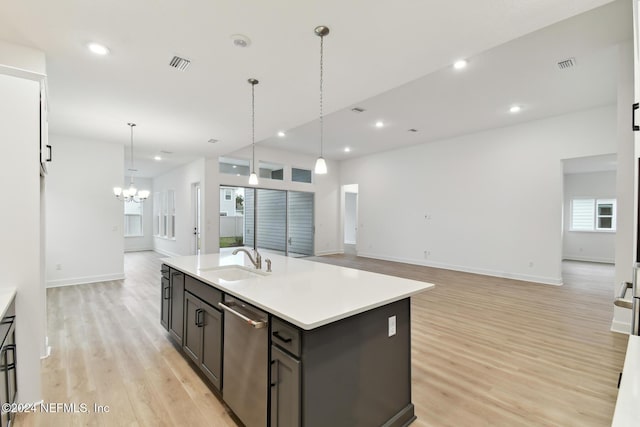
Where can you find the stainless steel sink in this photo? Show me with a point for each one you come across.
(232, 273)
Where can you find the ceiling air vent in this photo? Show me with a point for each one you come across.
(179, 63)
(212, 141)
(166, 152)
(567, 63)
(358, 110)
(413, 130)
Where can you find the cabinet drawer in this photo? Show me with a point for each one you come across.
(203, 291)
(285, 336)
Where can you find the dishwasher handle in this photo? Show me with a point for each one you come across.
(257, 324)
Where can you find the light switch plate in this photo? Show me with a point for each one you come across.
(392, 326)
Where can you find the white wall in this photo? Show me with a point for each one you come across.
(489, 202)
(328, 236)
(85, 240)
(180, 181)
(20, 253)
(588, 245)
(145, 242)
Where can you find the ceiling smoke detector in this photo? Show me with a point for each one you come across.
(240, 40)
(567, 63)
(180, 64)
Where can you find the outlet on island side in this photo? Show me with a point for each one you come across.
(392, 326)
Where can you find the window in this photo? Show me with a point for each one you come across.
(301, 175)
(271, 171)
(227, 194)
(593, 215)
(164, 214)
(231, 166)
(132, 219)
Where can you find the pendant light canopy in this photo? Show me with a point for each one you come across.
(131, 194)
(253, 178)
(321, 165)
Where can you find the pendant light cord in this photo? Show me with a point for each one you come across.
(321, 85)
(253, 125)
(131, 125)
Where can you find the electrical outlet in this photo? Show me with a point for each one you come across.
(392, 326)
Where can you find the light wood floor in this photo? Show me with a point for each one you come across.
(486, 351)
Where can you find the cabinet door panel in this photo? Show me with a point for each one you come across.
(176, 320)
(165, 296)
(212, 344)
(285, 389)
(192, 333)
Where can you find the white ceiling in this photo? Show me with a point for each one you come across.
(391, 58)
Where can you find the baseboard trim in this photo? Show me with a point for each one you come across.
(140, 249)
(330, 252)
(166, 253)
(502, 274)
(84, 280)
(588, 259)
(620, 327)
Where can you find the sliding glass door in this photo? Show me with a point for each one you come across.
(274, 220)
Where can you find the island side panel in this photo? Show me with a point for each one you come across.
(354, 374)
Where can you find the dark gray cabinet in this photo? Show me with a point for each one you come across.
(176, 318)
(172, 302)
(203, 337)
(165, 297)
(285, 389)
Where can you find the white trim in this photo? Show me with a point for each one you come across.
(588, 259)
(84, 280)
(523, 277)
(22, 73)
(166, 253)
(329, 252)
(139, 249)
(620, 327)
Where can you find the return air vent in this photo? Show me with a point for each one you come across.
(179, 63)
(358, 110)
(413, 130)
(567, 63)
(166, 152)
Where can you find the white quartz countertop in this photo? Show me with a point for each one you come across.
(7, 295)
(306, 293)
(627, 413)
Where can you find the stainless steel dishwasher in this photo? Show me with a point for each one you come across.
(246, 347)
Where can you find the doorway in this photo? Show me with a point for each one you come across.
(196, 199)
(350, 215)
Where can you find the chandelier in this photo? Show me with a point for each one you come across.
(131, 194)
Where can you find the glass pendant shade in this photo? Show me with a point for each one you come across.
(131, 194)
(253, 179)
(321, 166)
(117, 191)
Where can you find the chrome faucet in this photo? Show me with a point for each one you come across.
(257, 262)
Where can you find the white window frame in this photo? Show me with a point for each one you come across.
(140, 218)
(164, 215)
(591, 216)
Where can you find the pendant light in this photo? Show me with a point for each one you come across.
(131, 194)
(253, 178)
(321, 165)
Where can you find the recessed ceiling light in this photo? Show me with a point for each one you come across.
(379, 124)
(460, 64)
(515, 109)
(158, 158)
(347, 149)
(281, 134)
(240, 40)
(234, 166)
(98, 49)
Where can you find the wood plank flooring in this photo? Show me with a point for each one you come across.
(486, 351)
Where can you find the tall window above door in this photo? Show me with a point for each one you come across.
(593, 214)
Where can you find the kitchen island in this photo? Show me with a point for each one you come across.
(308, 344)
